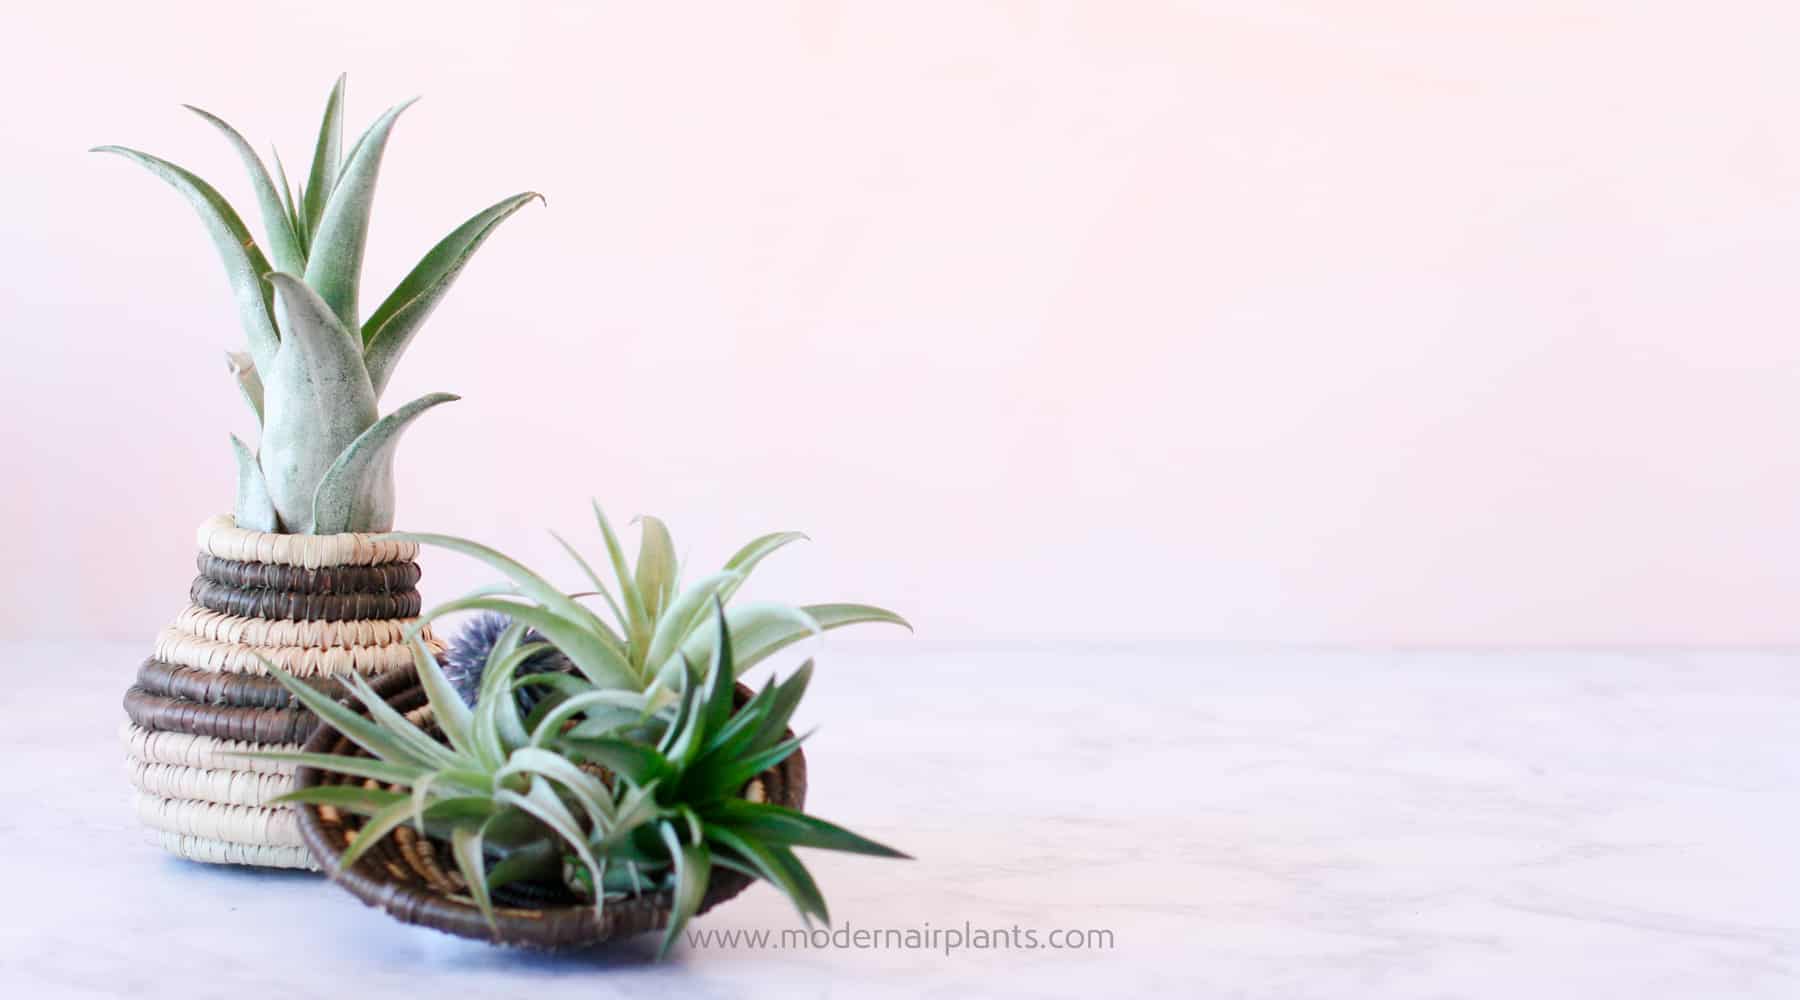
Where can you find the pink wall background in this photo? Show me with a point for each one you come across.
(1380, 322)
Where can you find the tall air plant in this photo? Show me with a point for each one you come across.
(315, 367)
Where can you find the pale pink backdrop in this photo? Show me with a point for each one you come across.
(1377, 322)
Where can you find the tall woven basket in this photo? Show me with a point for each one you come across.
(319, 606)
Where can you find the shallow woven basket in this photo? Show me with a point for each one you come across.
(321, 606)
(414, 879)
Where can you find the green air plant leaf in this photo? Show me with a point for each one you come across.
(656, 566)
(465, 846)
(245, 265)
(447, 708)
(334, 261)
(637, 621)
(602, 664)
(693, 865)
(296, 224)
(778, 825)
(761, 630)
(746, 558)
(243, 372)
(318, 400)
(284, 243)
(684, 615)
(391, 326)
(254, 509)
(357, 492)
(326, 154)
(530, 584)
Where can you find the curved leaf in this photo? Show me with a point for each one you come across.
(245, 265)
(284, 243)
(319, 399)
(591, 655)
(656, 567)
(334, 261)
(254, 510)
(693, 865)
(243, 372)
(325, 160)
(357, 492)
(390, 328)
(465, 847)
(753, 552)
(684, 615)
(532, 585)
(760, 630)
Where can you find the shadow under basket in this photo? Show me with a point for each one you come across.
(414, 878)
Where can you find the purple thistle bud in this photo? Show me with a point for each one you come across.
(466, 659)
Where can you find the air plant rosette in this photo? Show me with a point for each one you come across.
(557, 783)
(295, 575)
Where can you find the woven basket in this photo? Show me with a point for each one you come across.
(414, 879)
(321, 606)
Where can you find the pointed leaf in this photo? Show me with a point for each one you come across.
(390, 328)
(532, 585)
(354, 766)
(596, 660)
(296, 224)
(655, 575)
(358, 799)
(761, 630)
(746, 558)
(355, 727)
(334, 261)
(254, 510)
(551, 725)
(319, 400)
(447, 708)
(357, 492)
(685, 614)
(780, 825)
(693, 866)
(284, 244)
(326, 153)
(638, 624)
(243, 372)
(599, 586)
(378, 826)
(245, 265)
(762, 860)
(465, 847)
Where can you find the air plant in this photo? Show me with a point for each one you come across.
(648, 802)
(316, 367)
(656, 622)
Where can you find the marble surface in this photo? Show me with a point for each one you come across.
(1242, 822)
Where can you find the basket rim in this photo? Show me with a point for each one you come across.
(555, 927)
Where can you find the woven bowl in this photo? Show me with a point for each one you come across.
(414, 879)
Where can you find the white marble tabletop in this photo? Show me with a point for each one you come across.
(1220, 822)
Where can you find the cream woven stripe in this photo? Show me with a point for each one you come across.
(275, 827)
(236, 788)
(220, 536)
(173, 646)
(205, 623)
(187, 750)
(224, 852)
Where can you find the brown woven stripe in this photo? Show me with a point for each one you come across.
(211, 687)
(379, 578)
(415, 880)
(161, 713)
(225, 722)
(295, 605)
